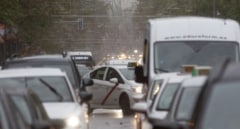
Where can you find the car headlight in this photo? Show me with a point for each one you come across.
(137, 89)
(73, 121)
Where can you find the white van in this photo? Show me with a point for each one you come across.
(173, 42)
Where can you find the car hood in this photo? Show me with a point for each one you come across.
(62, 110)
(134, 84)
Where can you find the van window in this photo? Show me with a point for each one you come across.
(169, 56)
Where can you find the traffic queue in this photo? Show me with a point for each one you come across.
(46, 91)
(203, 101)
(190, 66)
(188, 79)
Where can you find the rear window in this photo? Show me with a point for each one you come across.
(49, 89)
(64, 66)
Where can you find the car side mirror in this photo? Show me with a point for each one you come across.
(85, 96)
(113, 80)
(140, 107)
(87, 82)
(139, 76)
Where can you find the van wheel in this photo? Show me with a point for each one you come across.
(125, 105)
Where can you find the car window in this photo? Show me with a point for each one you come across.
(186, 103)
(68, 69)
(3, 118)
(49, 89)
(23, 107)
(128, 73)
(98, 74)
(112, 73)
(167, 96)
(83, 70)
(64, 66)
(41, 87)
(40, 111)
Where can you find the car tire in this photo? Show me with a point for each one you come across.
(90, 110)
(139, 124)
(125, 105)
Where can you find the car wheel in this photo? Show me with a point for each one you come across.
(90, 110)
(139, 124)
(125, 105)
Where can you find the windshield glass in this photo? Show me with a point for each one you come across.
(49, 89)
(63, 66)
(83, 70)
(186, 103)
(169, 56)
(127, 73)
(167, 96)
(67, 69)
(222, 108)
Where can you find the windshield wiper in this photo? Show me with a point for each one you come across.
(161, 70)
(51, 89)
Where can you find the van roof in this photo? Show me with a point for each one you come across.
(194, 28)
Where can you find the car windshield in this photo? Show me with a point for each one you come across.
(66, 67)
(169, 56)
(167, 96)
(128, 73)
(83, 70)
(186, 103)
(223, 108)
(49, 89)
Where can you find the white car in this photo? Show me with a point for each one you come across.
(113, 88)
(161, 104)
(159, 81)
(55, 91)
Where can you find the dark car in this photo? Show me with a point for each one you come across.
(31, 108)
(10, 116)
(56, 61)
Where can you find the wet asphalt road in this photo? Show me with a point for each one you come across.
(110, 119)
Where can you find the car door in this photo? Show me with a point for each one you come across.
(113, 89)
(99, 87)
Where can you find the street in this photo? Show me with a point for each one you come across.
(110, 119)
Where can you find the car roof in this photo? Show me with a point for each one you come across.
(50, 57)
(179, 78)
(27, 72)
(194, 81)
(165, 75)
